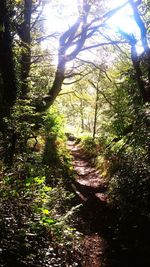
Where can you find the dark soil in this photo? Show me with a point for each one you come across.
(107, 242)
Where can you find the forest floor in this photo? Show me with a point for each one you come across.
(105, 242)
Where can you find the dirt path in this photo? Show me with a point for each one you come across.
(88, 181)
(91, 189)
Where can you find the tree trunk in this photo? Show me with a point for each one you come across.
(24, 31)
(8, 90)
(138, 73)
(144, 88)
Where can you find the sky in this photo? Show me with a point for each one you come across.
(58, 19)
(123, 19)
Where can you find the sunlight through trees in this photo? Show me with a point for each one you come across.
(74, 133)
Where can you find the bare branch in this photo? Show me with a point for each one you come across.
(43, 38)
(78, 80)
(101, 92)
(66, 93)
(103, 44)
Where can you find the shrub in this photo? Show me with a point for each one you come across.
(129, 187)
(37, 223)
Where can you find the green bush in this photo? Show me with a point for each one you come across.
(36, 221)
(129, 187)
(90, 146)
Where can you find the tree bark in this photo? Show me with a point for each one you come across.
(8, 90)
(138, 73)
(24, 31)
(144, 88)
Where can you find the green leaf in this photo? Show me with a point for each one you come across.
(45, 211)
(48, 221)
(39, 180)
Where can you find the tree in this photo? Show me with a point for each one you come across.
(76, 37)
(140, 62)
(24, 32)
(8, 89)
(18, 27)
(15, 24)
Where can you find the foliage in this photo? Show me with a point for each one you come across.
(90, 147)
(38, 211)
(36, 228)
(55, 154)
(128, 170)
(129, 186)
(108, 99)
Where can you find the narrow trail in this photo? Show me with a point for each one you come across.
(89, 182)
(105, 244)
(91, 190)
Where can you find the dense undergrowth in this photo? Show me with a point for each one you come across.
(38, 225)
(124, 164)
